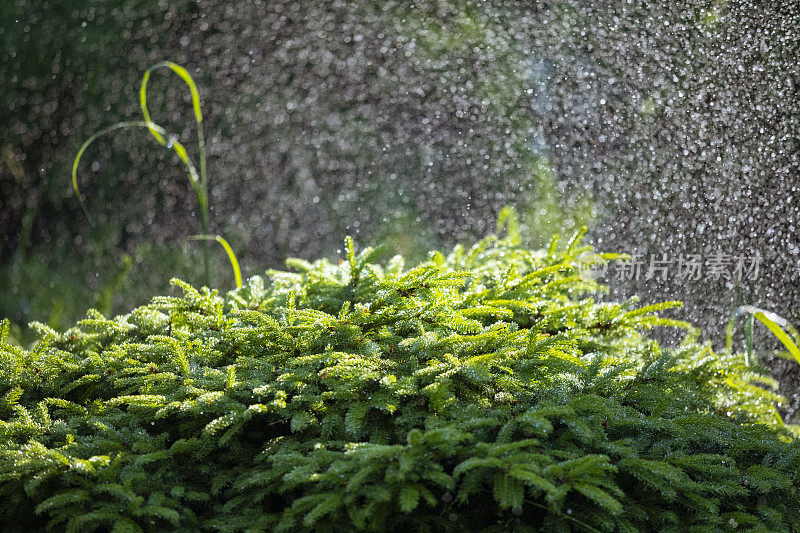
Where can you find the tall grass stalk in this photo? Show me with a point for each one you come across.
(201, 145)
(202, 195)
(198, 180)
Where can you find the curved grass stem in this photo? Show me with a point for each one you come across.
(172, 142)
(199, 181)
(201, 148)
(775, 323)
(237, 273)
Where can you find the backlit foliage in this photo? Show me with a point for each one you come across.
(482, 390)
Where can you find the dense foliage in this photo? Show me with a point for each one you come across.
(476, 391)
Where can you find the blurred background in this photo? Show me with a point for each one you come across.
(670, 128)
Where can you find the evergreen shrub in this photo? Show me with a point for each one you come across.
(479, 391)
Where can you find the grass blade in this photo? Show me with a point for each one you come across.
(186, 77)
(773, 322)
(237, 273)
(172, 143)
(199, 181)
(748, 338)
(198, 116)
(202, 190)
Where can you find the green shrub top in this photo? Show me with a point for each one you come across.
(476, 391)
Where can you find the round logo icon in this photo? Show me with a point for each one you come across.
(591, 266)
